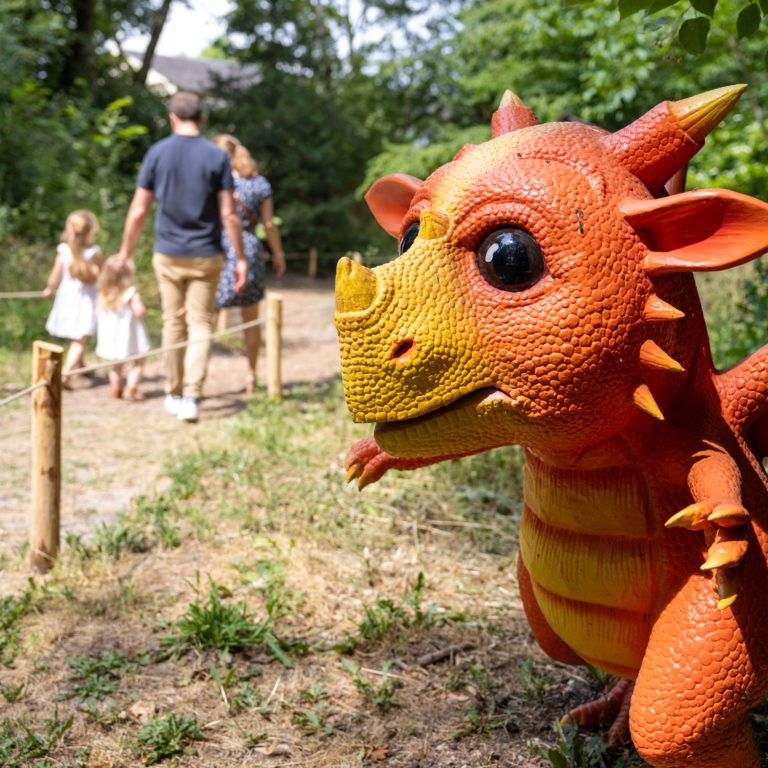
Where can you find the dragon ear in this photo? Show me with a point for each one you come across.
(390, 198)
(699, 231)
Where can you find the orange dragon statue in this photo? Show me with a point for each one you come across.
(543, 296)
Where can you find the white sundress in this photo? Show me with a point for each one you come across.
(120, 333)
(73, 314)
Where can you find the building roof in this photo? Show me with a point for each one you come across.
(175, 73)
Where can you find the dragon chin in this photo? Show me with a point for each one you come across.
(481, 420)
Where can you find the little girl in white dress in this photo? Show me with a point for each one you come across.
(121, 330)
(73, 280)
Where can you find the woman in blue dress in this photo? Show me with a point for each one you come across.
(253, 198)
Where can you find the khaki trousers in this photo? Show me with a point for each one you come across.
(188, 296)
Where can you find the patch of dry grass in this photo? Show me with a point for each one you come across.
(362, 592)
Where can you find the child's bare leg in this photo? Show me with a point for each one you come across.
(75, 356)
(133, 379)
(252, 339)
(116, 380)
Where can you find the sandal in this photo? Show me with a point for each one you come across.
(132, 394)
(116, 393)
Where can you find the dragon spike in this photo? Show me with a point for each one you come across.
(511, 115)
(644, 400)
(657, 310)
(658, 144)
(653, 356)
(724, 554)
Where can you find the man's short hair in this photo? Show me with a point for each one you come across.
(186, 106)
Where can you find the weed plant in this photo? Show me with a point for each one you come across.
(20, 745)
(167, 736)
(210, 623)
(97, 677)
(11, 610)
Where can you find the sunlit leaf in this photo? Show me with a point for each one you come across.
(707, 7)
(693, 34)
(660, 5)
(748, 21)
(631, 7)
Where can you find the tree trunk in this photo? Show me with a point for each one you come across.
(157, 27)
(79, 59)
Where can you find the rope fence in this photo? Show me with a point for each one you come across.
(130, 358)
(46, 391)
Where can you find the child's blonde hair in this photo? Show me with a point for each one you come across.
(241, 159)
(80, 231)
(113, 283)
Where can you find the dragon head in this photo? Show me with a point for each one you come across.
(542, 294)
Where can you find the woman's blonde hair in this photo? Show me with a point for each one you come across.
(113, 283)
(242, 162)
(80, 231)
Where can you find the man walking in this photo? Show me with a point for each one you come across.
(191, 180)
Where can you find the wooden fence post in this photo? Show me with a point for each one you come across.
(44, 532)
(274, 342)
(312, 270)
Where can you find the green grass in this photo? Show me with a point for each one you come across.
(12, 609)
(23, 747)
(167, 736)
(97, 677)
(211, 623)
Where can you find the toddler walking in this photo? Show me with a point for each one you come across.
(121, 330)
(73, 281)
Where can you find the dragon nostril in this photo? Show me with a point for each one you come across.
(402, 350)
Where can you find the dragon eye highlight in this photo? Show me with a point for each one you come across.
(510, 260)
(407, 240)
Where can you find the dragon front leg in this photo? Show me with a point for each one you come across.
(702, 671)
(715, 484)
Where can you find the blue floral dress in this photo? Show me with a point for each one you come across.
(252, 191)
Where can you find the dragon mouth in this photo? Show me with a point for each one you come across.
(468, 423)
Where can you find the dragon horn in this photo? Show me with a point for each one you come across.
(662, 141)
(511, 115)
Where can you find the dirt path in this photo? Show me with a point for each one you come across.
(114, 450)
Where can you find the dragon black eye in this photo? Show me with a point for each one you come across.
(407, 240)
(510, 259)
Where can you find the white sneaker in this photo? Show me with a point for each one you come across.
(187, 409)
(172, 403)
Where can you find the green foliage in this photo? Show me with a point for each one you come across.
(386, 617)
(209, 622)
(482, 719)
(21, 747)
(12, 609)
(97, 677)
(576, 749)
(382, 695)
(166, 736)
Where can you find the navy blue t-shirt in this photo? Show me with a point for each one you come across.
(186, 173)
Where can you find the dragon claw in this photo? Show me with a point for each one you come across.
(724, 554)
(705, 514)
(728, 515)
(694, 517)
(355, 469)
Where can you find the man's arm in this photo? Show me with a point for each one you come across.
(134, 223)
(232, 226)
